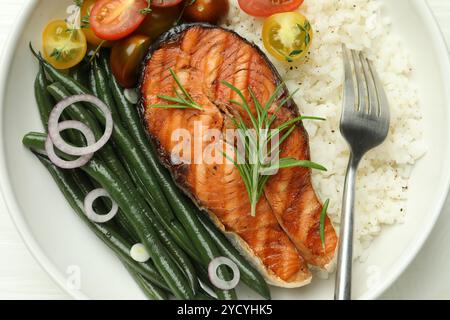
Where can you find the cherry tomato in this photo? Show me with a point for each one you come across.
(126, 59)
(91, 38)
(207, 10)
(165, 3)
(116, 19)
(287, 36)
(63, 46)
(159, 21)
(265, 8)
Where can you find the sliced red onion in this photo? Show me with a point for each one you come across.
(131, 95)
(89, 210)
(220, 283)
(139, 253)
(64, 146)
(63, 164)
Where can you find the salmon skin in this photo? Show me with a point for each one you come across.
(283, 237)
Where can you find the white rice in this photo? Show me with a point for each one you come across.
(382, 188)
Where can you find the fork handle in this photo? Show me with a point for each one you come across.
(343, 288)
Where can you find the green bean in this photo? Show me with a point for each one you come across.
(180, 258)
(103, 90)
(134, 208)
(150, 290)
(43, 98)
(204, 296)
(81, 74)
(112, 239)
(92, 82)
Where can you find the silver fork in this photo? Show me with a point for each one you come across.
(365, 125)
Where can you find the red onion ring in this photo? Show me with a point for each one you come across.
(89, 210)
(214, 278)
(63, 164)
(64, 146)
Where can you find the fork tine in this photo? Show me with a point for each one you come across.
(384, 111)
(361, 82)
(374, 103)
(349, 85)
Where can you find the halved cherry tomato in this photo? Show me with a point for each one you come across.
(207, 10)
(287, 36)
(165, 3)
(116, 19)
(126, 58)
(159, 21)
(63, 46)
(87, 30)
(265, 8)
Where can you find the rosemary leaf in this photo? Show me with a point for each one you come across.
(291, 163)
(183, 99)
(323, 216)
(170, 106)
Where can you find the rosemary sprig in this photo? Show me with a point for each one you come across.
(182, 99)
(323, 216)
(255, 169)
(254, 166)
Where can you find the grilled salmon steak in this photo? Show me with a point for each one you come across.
(282, 239)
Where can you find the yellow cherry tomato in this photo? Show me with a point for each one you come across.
(63, 46)
(91, 37)
(287, 36)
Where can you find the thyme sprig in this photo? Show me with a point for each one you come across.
(148, 9)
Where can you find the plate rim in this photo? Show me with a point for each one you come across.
(57, 276)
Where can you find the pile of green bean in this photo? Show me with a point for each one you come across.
(180, 239)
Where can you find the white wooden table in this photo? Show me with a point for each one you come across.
(22, 278)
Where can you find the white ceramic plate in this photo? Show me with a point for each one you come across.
(64, 246)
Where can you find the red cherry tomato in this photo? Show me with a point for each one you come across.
(126, 58)
(116, 19)
(159, 21)
(207, 10)
(265, 8)
(165, 3)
